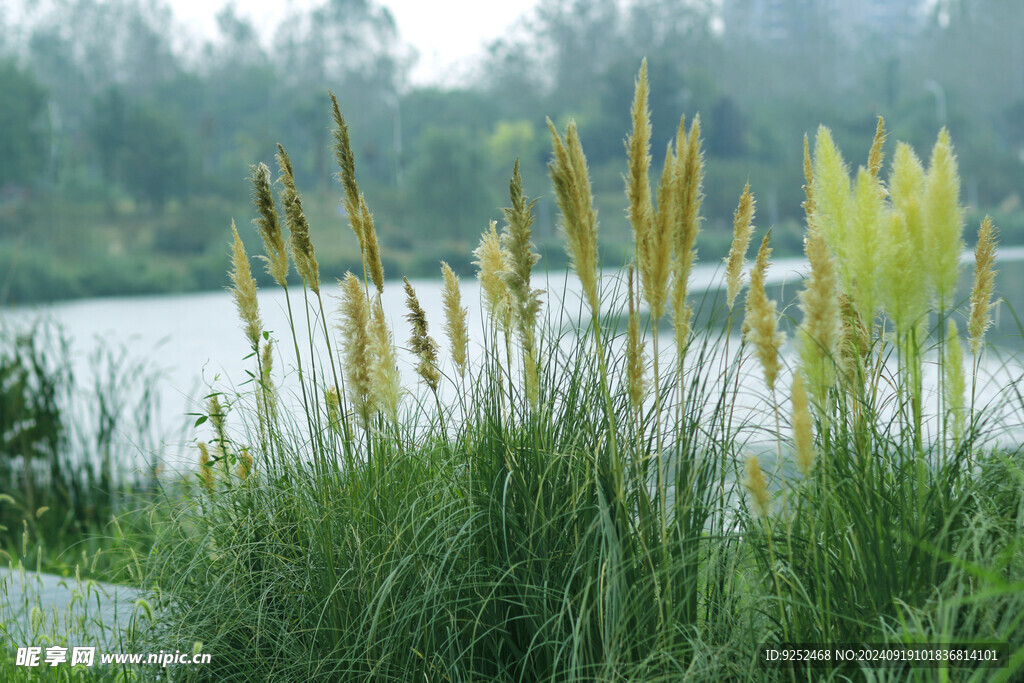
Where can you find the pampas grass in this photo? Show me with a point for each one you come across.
(554, 521)
(980, 316)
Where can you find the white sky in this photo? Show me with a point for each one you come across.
(444, 32)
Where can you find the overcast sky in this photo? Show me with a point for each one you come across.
(444, 32)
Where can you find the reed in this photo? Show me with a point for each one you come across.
(574, 527)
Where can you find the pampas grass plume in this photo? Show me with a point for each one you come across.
(244, 291)
(520, 258)
(984, 281)
(757, 487)
(742, 227)
(944, 218)
(455, 318)
(634, 351)
(656, 246)
(421, 343)
(269, 226)
(355, 313)
(638, 146)
(819, 331)
(569, 175)
(492, 261)
(298, 227)
(803, 439)
(760, 323)
(384, 378)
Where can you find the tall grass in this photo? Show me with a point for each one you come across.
(75, 451)
(567, 508)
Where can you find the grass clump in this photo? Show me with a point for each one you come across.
(553, 506)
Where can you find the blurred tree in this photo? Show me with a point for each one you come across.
(139, 147)
(352, 48)
(448, 196)
(577, 40)
(23, 126)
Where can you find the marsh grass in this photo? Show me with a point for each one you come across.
(555, 516)
(76, 452)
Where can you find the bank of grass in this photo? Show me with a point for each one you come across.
(594, 502)
(78, 454)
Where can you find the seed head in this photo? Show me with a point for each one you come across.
(269, 226)
(355, 313)
(455, 318)
(384, 377)
(579, 217)
(761, 320)
(742, 227)
(421, 343)
(492, 261)
(298, 226)
(803, 439)
(984, 281)
(243, 291)
(757, 487)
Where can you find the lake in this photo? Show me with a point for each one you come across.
(197, 344)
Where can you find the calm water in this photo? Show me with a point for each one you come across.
(196, 341)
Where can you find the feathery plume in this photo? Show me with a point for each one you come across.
(359, 216)
(984, 280)
(421, 343)
(808, 204)
(819, 331)
(384, 377)
(569, 175)
(298, 226)
(863, 253)
(373, 262)
(520, 258)
(355, 313)
(854, 343)
(690, 174)
(346, 162)
(757, 487)
(638, 146)
(875, 155)
(742, 227)
(269, 226)
(833, 200)
(245, 462)
(205, 469)
(634, 351)
(333, 402)
(655, 247)
(760, 324)
(492, 261)
(803, 439)
(243, 291)
(267, 382)
(906, 294)
(455, 318)
(944, 217)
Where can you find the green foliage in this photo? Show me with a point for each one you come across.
(448, 191)
(140, 147)
(66, 452)
(24, 124)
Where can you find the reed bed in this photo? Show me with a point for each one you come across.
(585, 502)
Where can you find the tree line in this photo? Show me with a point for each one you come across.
(115, 117)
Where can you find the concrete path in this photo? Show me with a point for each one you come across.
(41, 609)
